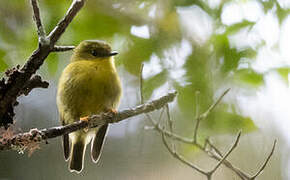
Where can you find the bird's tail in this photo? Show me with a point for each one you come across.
(98, 143)
(77, 156)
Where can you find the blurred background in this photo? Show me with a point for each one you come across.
(192, 46)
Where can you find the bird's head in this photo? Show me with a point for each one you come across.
(93, 50)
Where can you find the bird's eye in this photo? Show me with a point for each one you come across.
(94, 52)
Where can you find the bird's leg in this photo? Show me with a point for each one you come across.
(111, 111)
(86, 119)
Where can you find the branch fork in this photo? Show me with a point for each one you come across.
(16, 82)
(208, 148)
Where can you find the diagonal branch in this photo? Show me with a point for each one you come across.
(209, 110)
(227, 154)
(93, 121)
(37, 19)
(181, 158)
(213, 152)
(266, 161)
(15, 83)
(62, 25)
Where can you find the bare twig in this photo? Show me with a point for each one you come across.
(209, 110)
(62, 48)
(37, 19)
(170, 123)
(169, 118)
(93, 121)
(62, 25)
(196, 116)
(212, 152)
(227, 154)
(181, 158)
(141, 83)
(17, 80)
(266, 162)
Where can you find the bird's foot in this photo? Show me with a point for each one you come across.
(86, 119)
(112, 110)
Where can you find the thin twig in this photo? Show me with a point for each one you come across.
(181, 158)
(170, 123)
(37, 19)
(160, 117)
(169, 118)
(228, 153)
(209, 110)
(197, 119)
(266, 162)
(62, 48)
(141, 83)
(207, 141)
(217, 155)
(59, 29)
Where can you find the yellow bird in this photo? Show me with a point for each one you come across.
(88, 85)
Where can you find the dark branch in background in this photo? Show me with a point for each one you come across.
(22, 140)
(208, 148)
(19, 80)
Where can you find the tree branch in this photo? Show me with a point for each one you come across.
(180, 157)
(37, 19)
(20, 141)
(34, 82)
(266, 161)
(213, 152)
(62, 48)
(226, 155)
(17, 80)
(62, 25)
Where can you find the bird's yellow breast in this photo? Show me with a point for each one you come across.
(88, 87)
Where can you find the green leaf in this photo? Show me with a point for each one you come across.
(140, 51)
(222, 121)
(199, 80)
(267, 5)
(284, 71)
(249, 77)
(248, 53)
(282, 13)
(231, 56)
(238, 26)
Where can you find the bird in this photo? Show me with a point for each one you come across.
(88, 85)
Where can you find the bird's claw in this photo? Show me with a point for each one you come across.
(112, 110)
(85, 119)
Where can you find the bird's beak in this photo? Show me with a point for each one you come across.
(113, 53)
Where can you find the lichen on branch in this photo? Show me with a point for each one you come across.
(22, 141)
(20, 80)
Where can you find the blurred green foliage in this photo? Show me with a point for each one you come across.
(207, 68)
